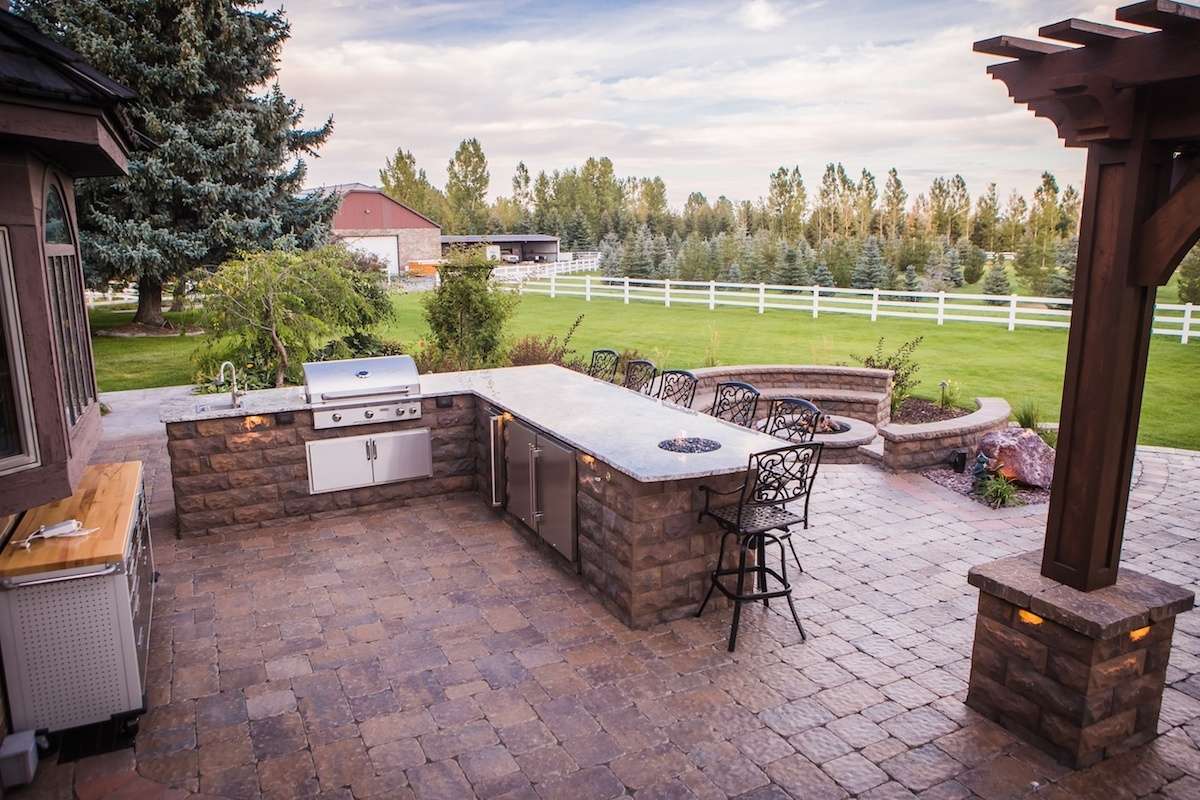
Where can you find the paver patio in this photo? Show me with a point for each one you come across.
(432, 652)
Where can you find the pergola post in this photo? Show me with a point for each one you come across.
(1109, 341)
(1071, 651)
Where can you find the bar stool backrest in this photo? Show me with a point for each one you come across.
(639, 375)
(677, 386)
(793, 418)
(604, 365)
(735, 402)
(780, 476)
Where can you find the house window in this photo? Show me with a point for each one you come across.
(18, 446)
(65, 281)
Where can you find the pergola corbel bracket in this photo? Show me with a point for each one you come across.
(1169, 233)
(1084, 108)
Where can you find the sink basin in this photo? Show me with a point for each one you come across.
(214, 405)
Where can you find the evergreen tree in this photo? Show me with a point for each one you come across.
(575, 235)
(954, 267)
(937, 273)
(668, 268)
(638, 261)
(996, 281)
(611, 255)
(972, 260)
(1036, 263)
(466, 188)
(660, 249)
(796, 269)
(227, 167)
(822, 276)
(1062, 282)
(870, 272)
(912, 282)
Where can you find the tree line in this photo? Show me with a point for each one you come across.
(850, 232)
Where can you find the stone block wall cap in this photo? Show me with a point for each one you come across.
(1134, 601)
(992, 412)
(823, 369)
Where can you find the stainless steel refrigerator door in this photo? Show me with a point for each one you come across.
(519, 444)
(556, 496)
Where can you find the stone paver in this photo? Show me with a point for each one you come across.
(431, 652)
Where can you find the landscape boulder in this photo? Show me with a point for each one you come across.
(1020, 455)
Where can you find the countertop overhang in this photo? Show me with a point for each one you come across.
(608, 422)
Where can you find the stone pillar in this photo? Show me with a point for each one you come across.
(1080, 675)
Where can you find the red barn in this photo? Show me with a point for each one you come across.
(370, 221)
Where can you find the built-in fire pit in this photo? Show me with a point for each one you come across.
(689, 444)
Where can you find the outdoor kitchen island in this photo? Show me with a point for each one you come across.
(639, 546)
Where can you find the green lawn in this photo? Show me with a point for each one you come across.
(984, 359)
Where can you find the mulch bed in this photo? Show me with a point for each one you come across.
(915, 411)
(138, 329)
(964, 485)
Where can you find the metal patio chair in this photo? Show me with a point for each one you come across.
(677, 386)
(604, 365)
(735, 402)
(640, 375)
(774, 479)
(792, 418)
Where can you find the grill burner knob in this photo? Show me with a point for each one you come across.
(337, 418)
(368, 414)
(399, 412)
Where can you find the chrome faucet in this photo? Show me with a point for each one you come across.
(235, 396)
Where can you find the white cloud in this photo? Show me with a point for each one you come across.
(674, 90)
(760, 15)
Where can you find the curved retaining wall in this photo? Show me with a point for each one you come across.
(914, 447)
(856, 392)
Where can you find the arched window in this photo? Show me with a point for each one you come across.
(64, 278)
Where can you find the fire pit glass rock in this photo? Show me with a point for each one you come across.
(689, 444)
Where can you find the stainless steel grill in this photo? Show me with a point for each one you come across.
(362, 391)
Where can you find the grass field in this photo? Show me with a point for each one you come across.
(985, 360)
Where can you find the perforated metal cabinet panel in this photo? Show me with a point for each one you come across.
(71, 654)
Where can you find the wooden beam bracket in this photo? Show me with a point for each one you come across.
(1170, 233)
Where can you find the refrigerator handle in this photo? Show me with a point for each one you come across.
(495, 439)
(535, 453)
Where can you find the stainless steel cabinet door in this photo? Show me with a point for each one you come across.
(519, 443)
(556, 495)
(339, 464)
(401, 455)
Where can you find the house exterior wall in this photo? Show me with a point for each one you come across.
(404, 245)
(63, 449)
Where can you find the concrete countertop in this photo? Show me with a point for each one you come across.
(611, 423)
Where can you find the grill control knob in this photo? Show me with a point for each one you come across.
(399, 411)
(369, 414)
(336, 417)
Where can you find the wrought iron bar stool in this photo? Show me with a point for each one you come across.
(792, 418)
(774, 478)
(677, 386)
(604, 365)
(640, 375)
(735, 402)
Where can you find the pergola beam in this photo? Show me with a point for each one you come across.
(1162, 14)
(1016, 47)
(1081, 31)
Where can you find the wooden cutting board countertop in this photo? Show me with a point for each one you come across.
(103, 500)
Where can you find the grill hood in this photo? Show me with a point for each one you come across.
(360, 379)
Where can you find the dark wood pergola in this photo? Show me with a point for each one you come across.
(1132, 98)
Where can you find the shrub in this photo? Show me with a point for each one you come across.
(467, 313)
(1029, 415)
(997, 490)
(1049, 436)
(1189, 277)
(902, 364)
(271, 311)
(359, 344)
(548, 349)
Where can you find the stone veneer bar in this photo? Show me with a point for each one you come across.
(1078, 674)
(642, 549)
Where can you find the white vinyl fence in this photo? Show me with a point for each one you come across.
(582, 262)
(1011, 311)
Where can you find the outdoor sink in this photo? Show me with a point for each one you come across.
(223, 404)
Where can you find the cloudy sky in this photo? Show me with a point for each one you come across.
(710, 95)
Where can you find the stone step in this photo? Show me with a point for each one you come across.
(873, 451)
